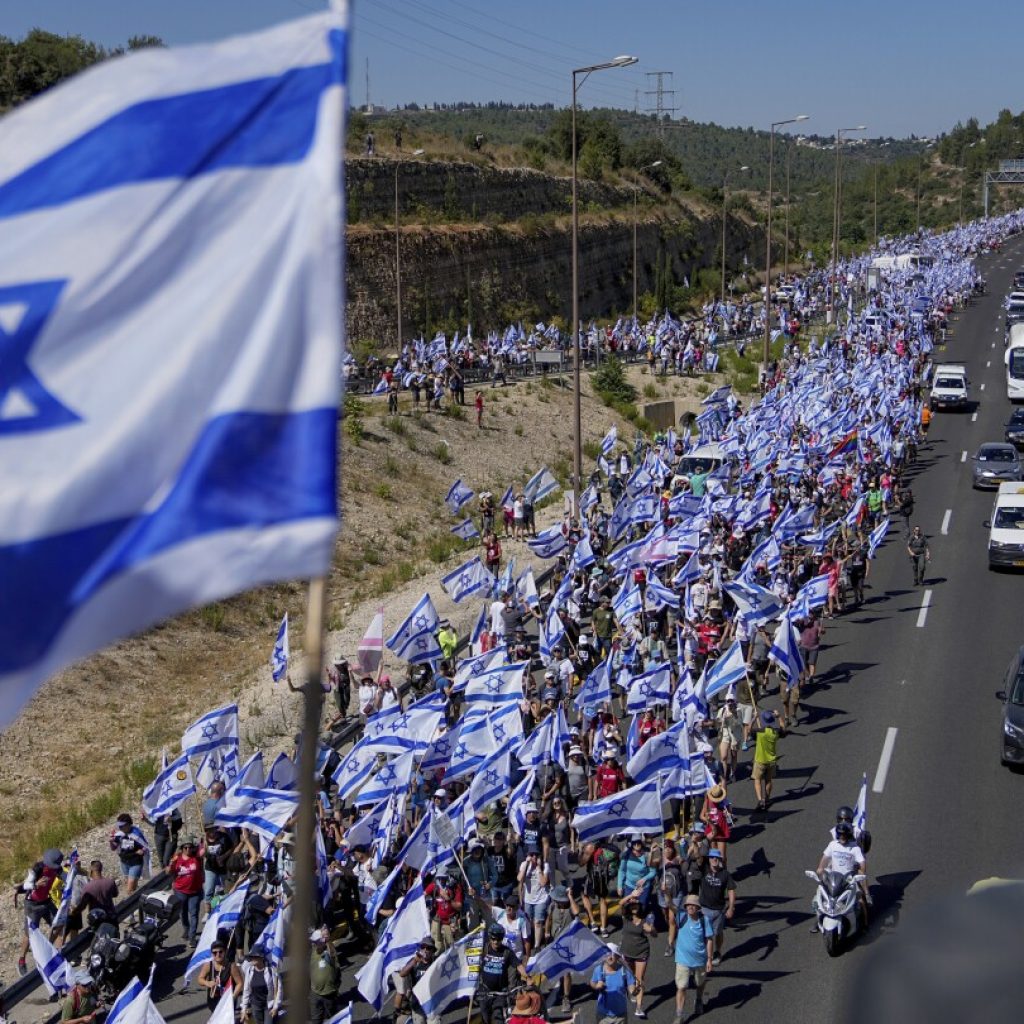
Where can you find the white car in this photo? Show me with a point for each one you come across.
(1006, 528)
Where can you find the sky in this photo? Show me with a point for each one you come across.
(901, 66)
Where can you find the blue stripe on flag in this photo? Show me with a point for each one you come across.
(247, 470)
(266, 121)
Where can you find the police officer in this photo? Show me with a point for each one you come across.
(498, 968)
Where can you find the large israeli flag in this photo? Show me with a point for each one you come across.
(170, 338)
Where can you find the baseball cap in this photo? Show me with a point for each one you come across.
(714, 854)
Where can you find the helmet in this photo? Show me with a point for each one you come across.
(496, 932)
(844, 814)
(844, 829)
(96, 917)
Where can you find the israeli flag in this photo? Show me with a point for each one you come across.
(660, 596)
(264, 811)
(813, 594)
(597, 689)
(457, 496)
(492, 781)
(283, 773)
(216, 730)
(376, 900)
(399, 940)
(583, 555)
(177, 209)
(526, 589)
(755, 604)
(250, 774)
(628, 601)
(588, 499)
(860, 811)
(540, 485)
(468, 579)
(518, 799)
(658, 754)
(453, 975)
(498, 686)
(134, 1004)
(272, 938)
(726, 672)
(52, 967)
(785, 651)
(170, 789)
(354, 768)
(465, 530)
(577, 949)
(689, 573)
(218, 765)
(636, 809)
(393, 776)
(609, 441)
(279, 656)
(423, 850)
(549, 543)
(651, 687)
(876, 537)
(224, 918)
(414, 640)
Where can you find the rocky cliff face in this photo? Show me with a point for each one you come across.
(493, 273)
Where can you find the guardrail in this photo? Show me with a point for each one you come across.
(24, 987)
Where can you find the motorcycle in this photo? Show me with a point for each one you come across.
(114, 959)
(837, 906)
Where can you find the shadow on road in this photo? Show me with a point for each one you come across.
(748, 987)
(841, 672)
(887, 893)
(759, 864)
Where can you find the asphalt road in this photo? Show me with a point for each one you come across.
(943, 816)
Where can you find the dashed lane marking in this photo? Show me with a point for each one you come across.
(883, 762)
(922, 615)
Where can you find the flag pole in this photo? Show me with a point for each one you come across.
(302, 905)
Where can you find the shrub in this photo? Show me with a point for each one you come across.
(383, 491)
(396, 425)
(611, 384)
(591, 449)
(442, 453)
(650, 391)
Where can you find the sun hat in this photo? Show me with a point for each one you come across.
(716, 794)
(527, 1004)
(691, 901)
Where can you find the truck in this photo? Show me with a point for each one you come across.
(949, 387)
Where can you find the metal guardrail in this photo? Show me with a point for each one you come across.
(24, 987)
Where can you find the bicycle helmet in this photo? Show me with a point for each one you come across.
(844, 830)
(496, 932)
(844, 814)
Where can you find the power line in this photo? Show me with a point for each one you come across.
(659, 92)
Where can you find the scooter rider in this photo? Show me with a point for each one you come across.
(862, 837)
(845, 856)
(499, 966)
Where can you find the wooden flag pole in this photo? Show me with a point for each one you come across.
(305, 883)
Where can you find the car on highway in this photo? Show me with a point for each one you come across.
(1014, 432)
(949, 387)
(1011, 749)
(995, 463)
(1006, 528)
(1018, 279)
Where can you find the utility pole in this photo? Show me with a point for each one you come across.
(369, 107)
(659, 92)
(789, 157)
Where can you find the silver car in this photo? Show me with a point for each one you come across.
(995, 463)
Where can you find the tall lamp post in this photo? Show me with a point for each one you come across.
(577, 462)
(785, 258)
(636, 190)
(398, 256)
(725, 208)
(768, 243)
(837, 199)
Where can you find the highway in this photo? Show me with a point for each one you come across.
(905, 693)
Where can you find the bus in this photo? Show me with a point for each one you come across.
(1014, 360)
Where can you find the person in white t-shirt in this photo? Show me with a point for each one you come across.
(844, 855)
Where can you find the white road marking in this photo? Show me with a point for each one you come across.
(988, 364)
(982, 388)
(922, 615)
(974, 418)
(963, 456)
(945, 521)
(883, 762)
(993, 344)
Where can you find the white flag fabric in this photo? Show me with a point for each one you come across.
(215, 730)
(264, 811)
(172, 287)
(635, 809)
(281, 654)
(250, 774)
(227, 914)
(170, 789)
(225, 1011)
(134, 1004)
(52, 967)
(575, 949)
(406, 928)
(468, 579)
(451, 976)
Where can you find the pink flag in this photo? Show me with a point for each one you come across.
(371, 647)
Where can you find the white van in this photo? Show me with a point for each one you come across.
(1013, 359)
(949, 386)
(1006, 528)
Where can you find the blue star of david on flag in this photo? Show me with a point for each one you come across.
(258, 805)
(619, 807)
(498, 730)
(450, 967)
(400, 723)
(492, 777)
(209, 730)
(25, 403)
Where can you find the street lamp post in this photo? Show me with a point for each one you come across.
(768, 243)
(725, 201)
(398, 256)
(577, 466)
(837, 201)
(636, 190)
(785, 259)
